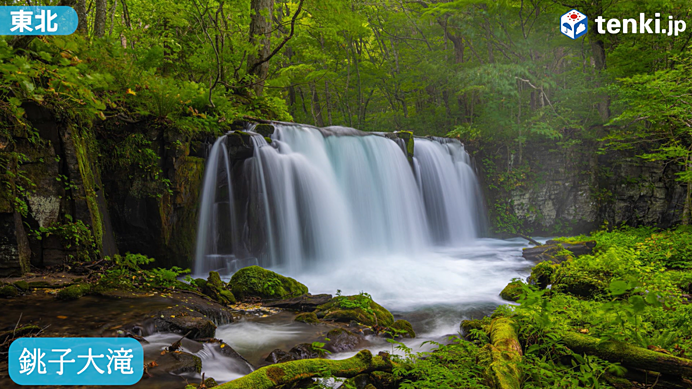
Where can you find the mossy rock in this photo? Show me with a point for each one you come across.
(22, 285)
(215, 288)
(8, 291)
(307, 317)
(360, 308)
(210, 383)
(255, 281)
(383, 380)
(73, 292)
(541, 274)
(569, 278)
(512, 291)
(404, 328)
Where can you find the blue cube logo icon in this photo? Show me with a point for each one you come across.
(574, 24)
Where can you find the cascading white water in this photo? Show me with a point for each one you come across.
(316, 196)
(450, 190)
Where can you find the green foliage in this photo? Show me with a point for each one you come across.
(76, 238)
(255, 281)
(454, 365)
(125, 272)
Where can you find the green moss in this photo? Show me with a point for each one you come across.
(210, 383)
(8, 291)
(578, 281)
(360, 308)
(307, 317)
(73, 292)
(383, 379)
(83, 143)
(255, 281)
(404, 327)
(287, 373)
(268, 139)
(541, 274)
(40, 284)
(478, 324)
(512, 291)
(22, 285)
(216, 289)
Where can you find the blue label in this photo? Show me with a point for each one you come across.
(76, 361)
(37, 20)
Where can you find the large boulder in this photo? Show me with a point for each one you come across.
(183, 321)
(304, 303)
(341, 340)
(555, 251)
(360, 308)
(255, 281)
(513, 290)
(178, 362)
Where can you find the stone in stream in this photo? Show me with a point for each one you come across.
(180, 321)
(304, 303)
(341, 340)
(178, 362)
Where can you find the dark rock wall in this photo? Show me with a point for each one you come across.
(556, 190)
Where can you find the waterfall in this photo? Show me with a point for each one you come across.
(314, 196)
(450, 190)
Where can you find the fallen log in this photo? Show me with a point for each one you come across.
(629, 355)
(506, 353)
(290, 372)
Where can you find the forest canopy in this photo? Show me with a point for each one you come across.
(497, 71)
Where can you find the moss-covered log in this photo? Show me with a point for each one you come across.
(506, 353)
(294, 371)
(628, 355)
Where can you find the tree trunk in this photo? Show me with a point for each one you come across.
(291, 372)
(628, 355)
(316, 107)
(82, 25)
(100, 18)
(260, 33)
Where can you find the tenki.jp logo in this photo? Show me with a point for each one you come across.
(574, 24)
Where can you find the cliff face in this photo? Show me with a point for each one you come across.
(561, 190)
(73, 192)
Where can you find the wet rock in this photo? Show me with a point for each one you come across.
(304, 351)
(278, 356)
(215, 288)
(308, 317)
(242, 365)
(304, 303)
(552, 251)
(359, 308)
(341, 340)
(183, 322)
(403, 328)
(361, 381)
(179, 362)
(8, 291)
(512, 291)
(254, 281)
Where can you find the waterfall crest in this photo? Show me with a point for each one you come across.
(326, 195)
